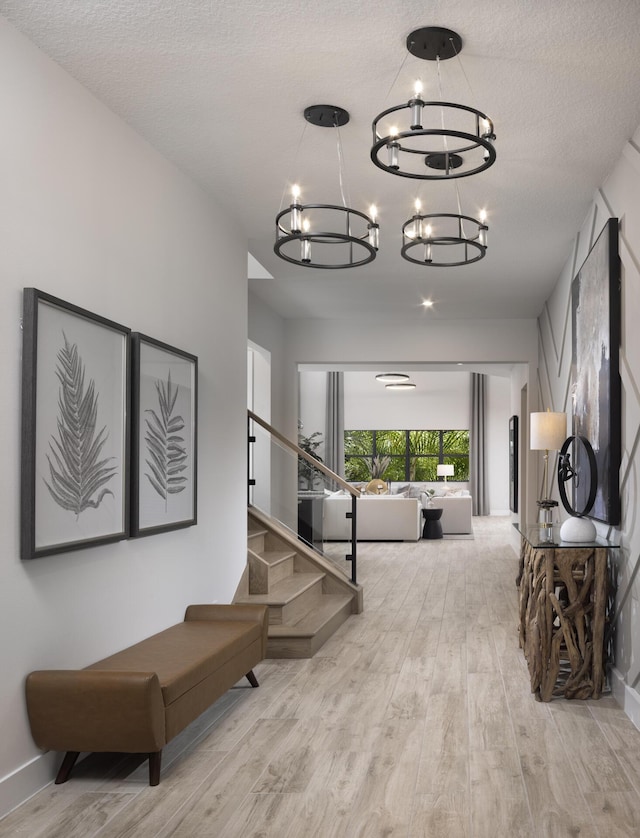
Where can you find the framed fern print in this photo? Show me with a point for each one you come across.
(164, 437)
(75, 427)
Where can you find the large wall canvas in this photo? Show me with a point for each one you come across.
(75, 427)
(595, 377)
(164, 437)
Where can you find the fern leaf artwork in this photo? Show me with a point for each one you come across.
(76, 470)
(167, 454)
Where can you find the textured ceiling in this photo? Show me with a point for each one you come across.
(220, 87)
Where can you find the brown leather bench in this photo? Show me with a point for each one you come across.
(138, 699)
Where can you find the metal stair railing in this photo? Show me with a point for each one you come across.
(274, 481)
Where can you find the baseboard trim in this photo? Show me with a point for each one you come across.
(625, 696)
(26, 781)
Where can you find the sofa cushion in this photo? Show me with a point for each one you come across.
(184, 654)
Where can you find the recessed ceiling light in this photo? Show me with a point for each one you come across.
(401, 385)
(391, 377)
(427, 303)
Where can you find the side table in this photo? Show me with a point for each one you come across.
(563, 604)
(432, 527)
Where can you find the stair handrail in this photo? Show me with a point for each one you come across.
(302, 453)
(295, 449)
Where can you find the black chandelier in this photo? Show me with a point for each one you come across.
(444, 239)
(433, 140)
(326, 236)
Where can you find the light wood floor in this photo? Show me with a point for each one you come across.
(415, 719)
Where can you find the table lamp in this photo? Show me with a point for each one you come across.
(444, 470)
(548, 432)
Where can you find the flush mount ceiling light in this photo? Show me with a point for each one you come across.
(391, 377)
(433, 140)
(401, 385)
(326, 236)
(444, 239)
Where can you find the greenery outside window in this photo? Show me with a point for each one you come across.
(406, 455)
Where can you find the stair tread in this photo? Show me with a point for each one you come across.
(286, 590)
(314, 619)
(274, 557)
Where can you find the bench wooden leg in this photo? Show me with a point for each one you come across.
(251, 678)
(67, 764)
(155, 759)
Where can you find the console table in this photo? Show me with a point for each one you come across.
(563, 604)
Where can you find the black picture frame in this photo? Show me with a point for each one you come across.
(595, 374)
(164, 437)
(513, 464)
(75, 428)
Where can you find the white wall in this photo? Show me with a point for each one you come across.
(312, 396)
(618, 197)
(94, 215)
(266, 329)
(440, 400)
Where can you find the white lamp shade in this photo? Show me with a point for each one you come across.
(444, 470)
(548, 431)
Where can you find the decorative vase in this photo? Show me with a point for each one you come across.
(578, 530)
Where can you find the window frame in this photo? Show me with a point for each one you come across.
(442, 455)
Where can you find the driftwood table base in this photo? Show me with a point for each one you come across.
(563, 601)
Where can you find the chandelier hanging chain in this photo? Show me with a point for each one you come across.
(462, 70)
(400, 69)
(341, 167)
(442, 126)
(460, 209)
(295, 162)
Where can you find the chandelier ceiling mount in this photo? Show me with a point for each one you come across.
(434, 42)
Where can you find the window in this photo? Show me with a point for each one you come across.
(405, 455)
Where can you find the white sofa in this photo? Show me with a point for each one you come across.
(456, 513)
(379, 518)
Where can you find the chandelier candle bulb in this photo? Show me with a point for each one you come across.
(482, 228)
(428, 256)
(417, 226)
(295, 210)
(374, 228)
(416, 108)
(392, 148)
(305, 244)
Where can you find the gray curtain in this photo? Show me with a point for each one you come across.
(478, 465)
(334, 437)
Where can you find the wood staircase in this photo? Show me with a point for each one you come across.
(307, 595)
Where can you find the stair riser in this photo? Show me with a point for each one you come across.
(280, 571)
(256, 542)
(296, 608)
(299, 606)
(306, 647)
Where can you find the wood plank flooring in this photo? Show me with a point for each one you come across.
(415, 719)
